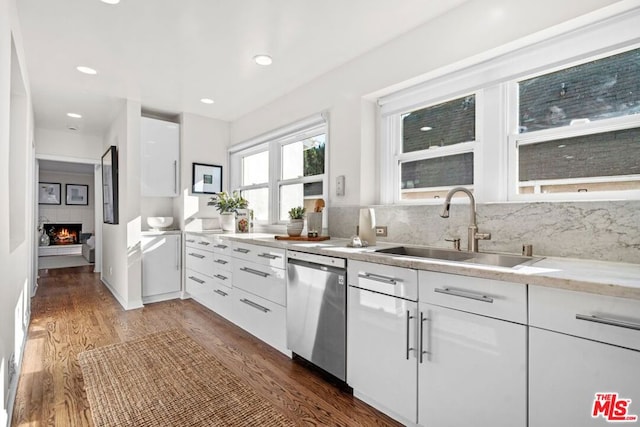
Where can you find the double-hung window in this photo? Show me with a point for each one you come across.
(283, 169)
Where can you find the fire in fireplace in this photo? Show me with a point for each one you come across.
(63, 234)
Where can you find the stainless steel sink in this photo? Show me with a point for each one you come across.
(483, 258)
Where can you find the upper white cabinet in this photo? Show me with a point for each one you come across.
(160, 158)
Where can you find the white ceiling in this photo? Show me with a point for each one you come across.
(169, 54)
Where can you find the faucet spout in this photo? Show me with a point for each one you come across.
(474, 236)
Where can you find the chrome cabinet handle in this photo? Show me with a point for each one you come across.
(255, 305)
(204, 243)
(190, 240)
(464, 294)
(269, 256)
(256, 272)
(409, 317)
(241, 250)
(221, 246)
(221, 277)
(610, 322)
(196, 255)
(219, 292)
(175, 176)
(421, 350)
(195, 279)
(221, 261)
(379, 278)
(178, 254)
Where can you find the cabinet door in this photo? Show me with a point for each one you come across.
(566, 373)
(381, 360)
(160, 151)
(473, 370)
(160, 264)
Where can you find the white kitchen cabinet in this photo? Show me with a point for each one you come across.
(382, 338)
(161, 267)
(160, 158)
(580, 345)
(472, 369)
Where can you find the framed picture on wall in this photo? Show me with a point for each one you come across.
(207, 179)
(49, 193)
(76, 194)
(110, 186)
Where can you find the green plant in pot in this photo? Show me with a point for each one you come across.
(227, 205)
(296, 221)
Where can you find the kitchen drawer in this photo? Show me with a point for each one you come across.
(493, 298)
(386, 279)
(264, 255)
(197, 284)
(220, 300)
(222, 246)
(266, 282)
(261, 318)
(602, 318)
(224, 278)
(222, 262)
(199, 260)
(199, 241)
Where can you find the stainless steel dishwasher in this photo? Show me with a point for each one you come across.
(317, 310)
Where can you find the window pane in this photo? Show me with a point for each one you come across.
(258, 201)
(579, 160)
(255, 168)
(440, 125)
(608, 87)
(293, 195)
(303, 158)
(419, 178)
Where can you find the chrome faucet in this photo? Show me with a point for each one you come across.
(474, 236)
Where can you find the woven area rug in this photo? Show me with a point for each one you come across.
(167, 379)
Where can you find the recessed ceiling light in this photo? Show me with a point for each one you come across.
(86, 70)
(111, 1)
(263, 59)
(74, 115)
(425, 128)
(207, 101)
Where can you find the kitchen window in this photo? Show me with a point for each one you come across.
(283, 169)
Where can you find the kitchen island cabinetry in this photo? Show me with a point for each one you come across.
(160, 158)
(582, 345)
(161, 267)
(473, 343)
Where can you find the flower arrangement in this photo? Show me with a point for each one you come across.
(225, 203)
(297, 212)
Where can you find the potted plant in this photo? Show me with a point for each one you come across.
(296, 221)
(227, 205)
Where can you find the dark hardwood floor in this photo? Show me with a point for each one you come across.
(73, 312)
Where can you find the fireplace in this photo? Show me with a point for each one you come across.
(63, 234)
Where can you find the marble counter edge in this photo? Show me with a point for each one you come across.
(159, 232)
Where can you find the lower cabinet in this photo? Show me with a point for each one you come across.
(161, 267)
(262, 318)
(473, 370)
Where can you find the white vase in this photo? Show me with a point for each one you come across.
(294, 227)
(228, 221)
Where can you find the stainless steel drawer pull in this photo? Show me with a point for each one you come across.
(221, 246)
(221, 277)
(254, 305)
(195, 279)
(269, 256)
(196, 255)
(464, 294)
(221, 261)
(190, 240)
(256, 272)
(241, 250)
(378, 278)
(610, 322)
(219, 292)
(409, 317)
(422, 350)
(204, 243)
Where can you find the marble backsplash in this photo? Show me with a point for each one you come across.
(607, 231)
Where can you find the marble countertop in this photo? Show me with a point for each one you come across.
(598, 277)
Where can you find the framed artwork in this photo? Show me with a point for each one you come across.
(110, 186)
(49, 193)
(76, 194)
(207, 179)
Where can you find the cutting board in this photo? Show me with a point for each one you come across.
(303, 238)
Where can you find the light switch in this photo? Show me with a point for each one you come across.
(340, 185)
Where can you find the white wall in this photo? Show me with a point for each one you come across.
(68, 144)
(203, 140)
(69, 213)
(16, 255)
(471, 29)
